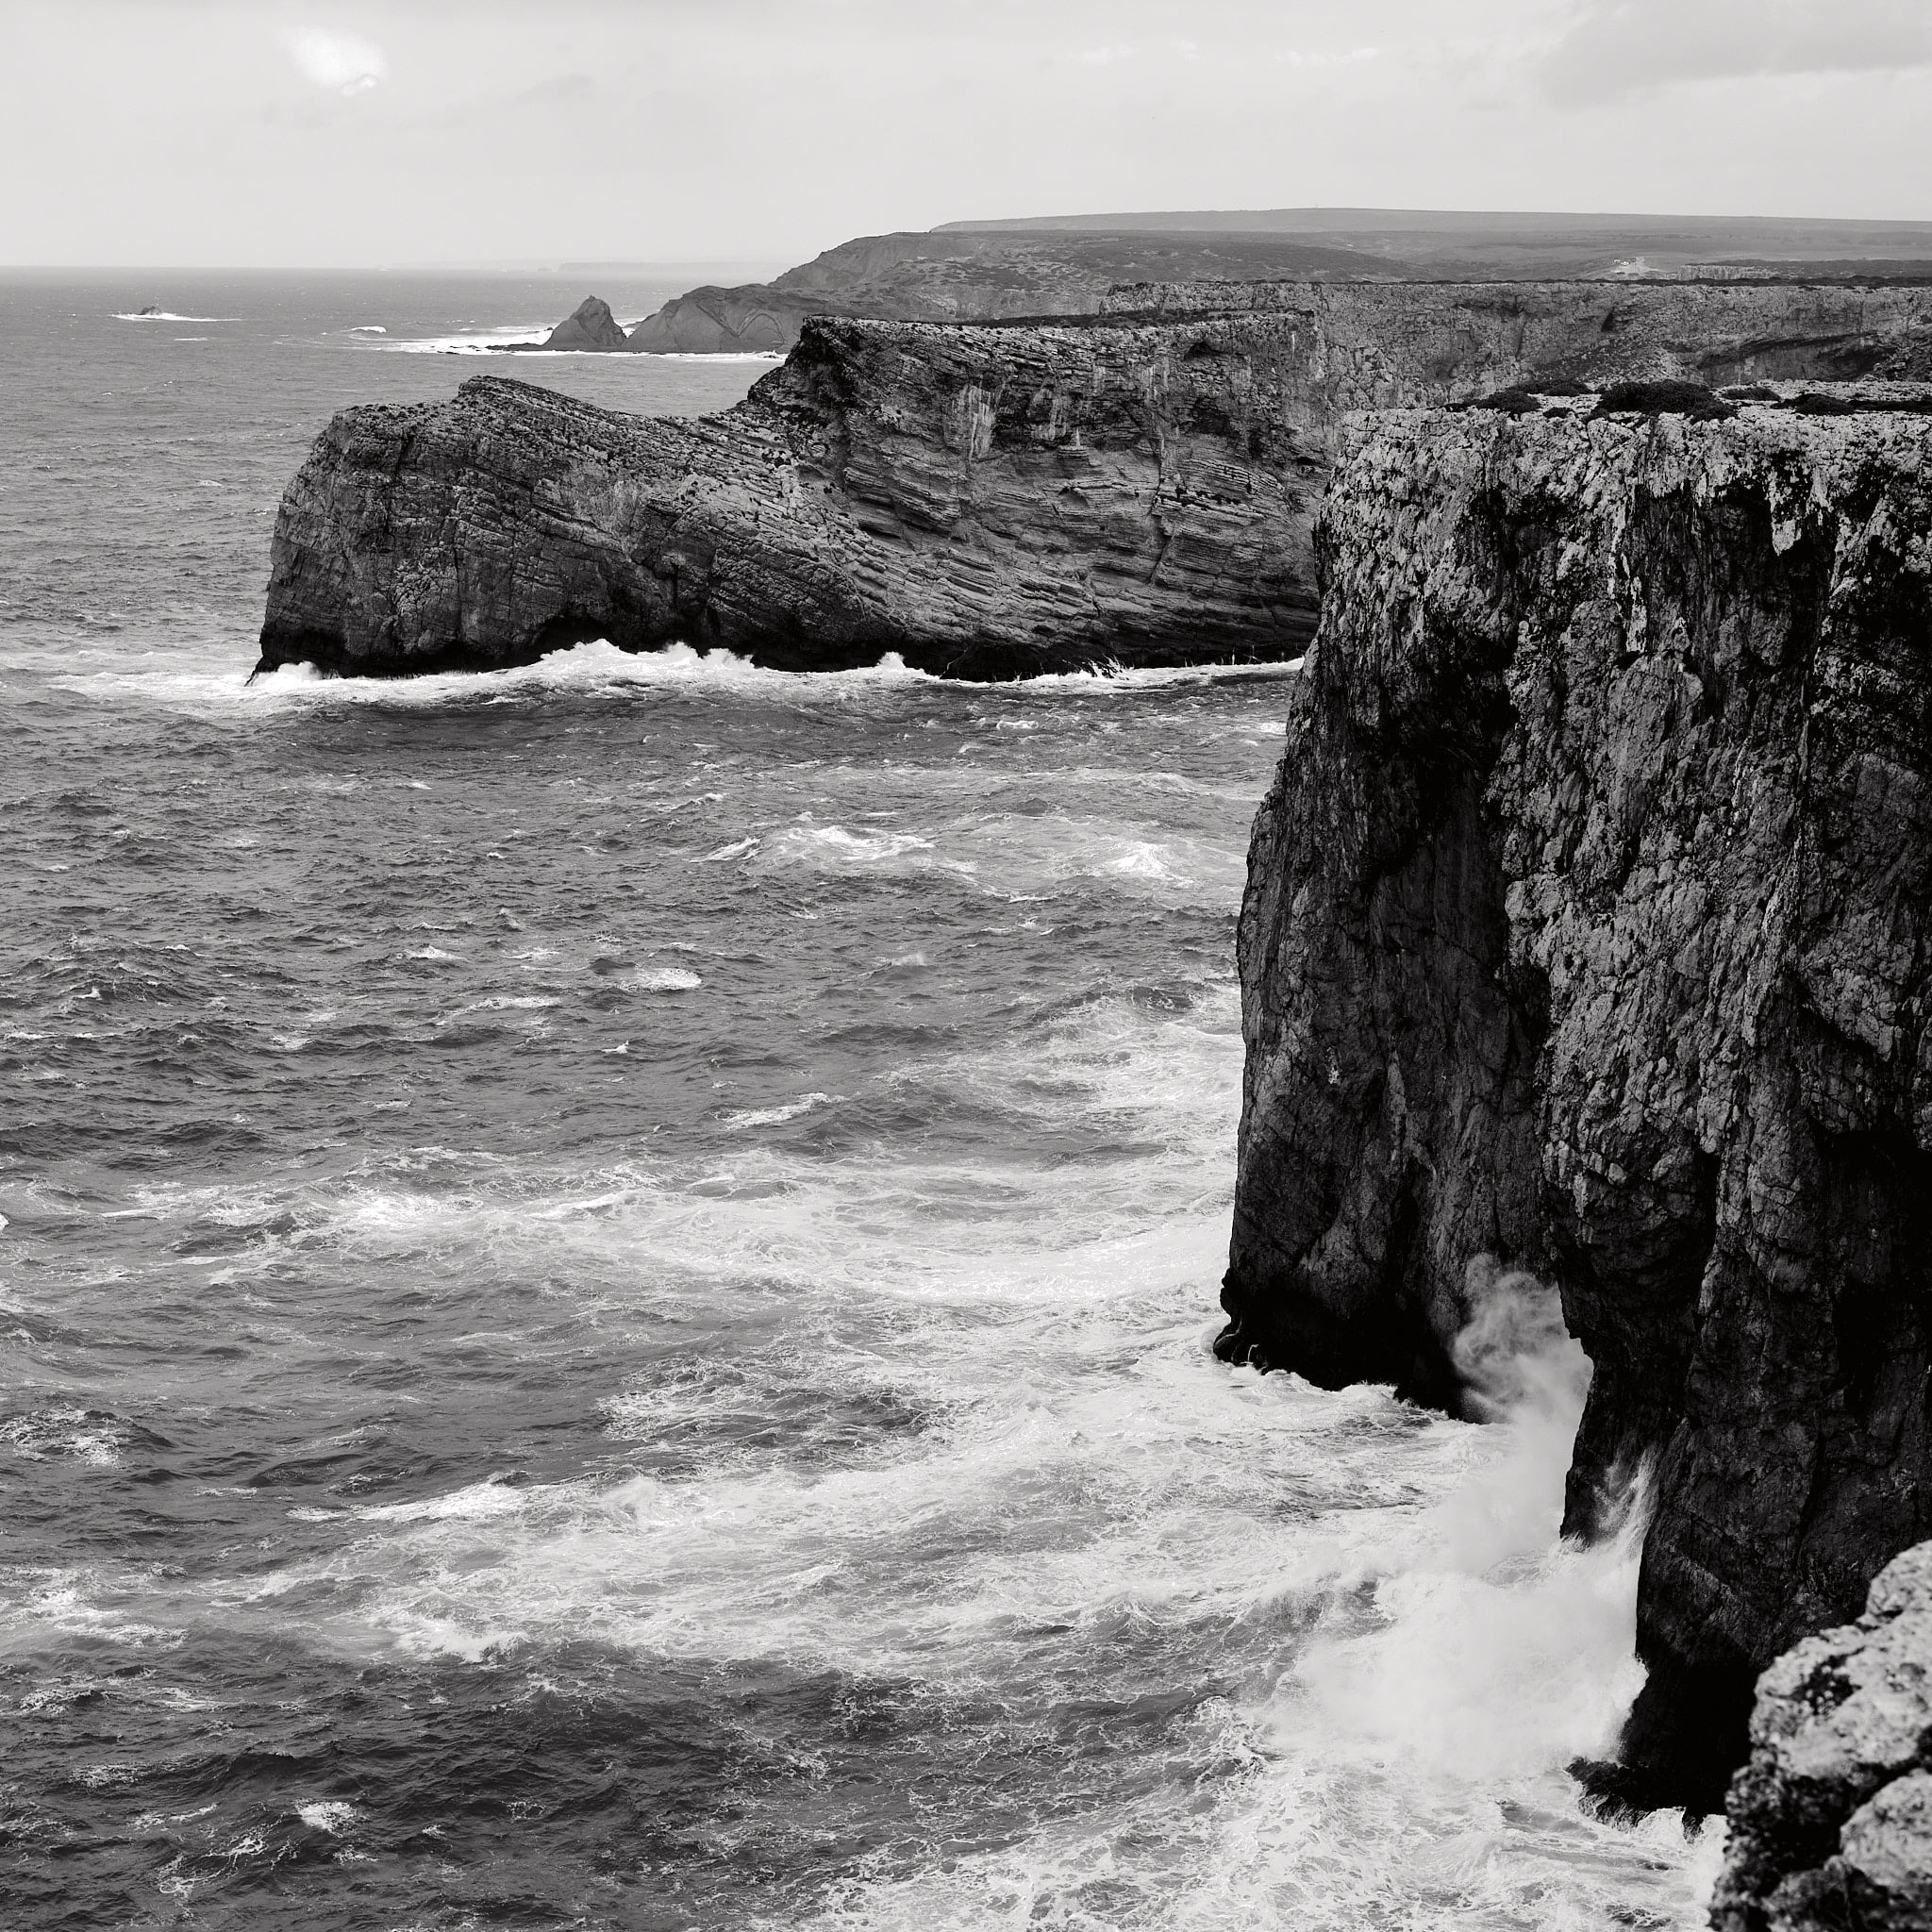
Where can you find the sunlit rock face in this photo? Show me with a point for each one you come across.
(1588, 926)
(1831, 1818)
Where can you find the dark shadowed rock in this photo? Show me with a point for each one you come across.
(1831, 1817)
(1588, 926)
(591, 325)
(985, 501)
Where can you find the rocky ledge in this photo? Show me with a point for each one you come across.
(1831, 1818)
(982, 499)
(1589, 926)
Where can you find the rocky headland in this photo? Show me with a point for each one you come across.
(985, 501)
(1589, 927)
(1134, 488)
(986, 271)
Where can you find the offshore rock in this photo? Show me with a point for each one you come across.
(980, 498)
(984, 502)
(1589, 926)
(1831, 1818)
(591, 325)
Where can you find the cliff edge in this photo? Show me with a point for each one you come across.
(1589, 926)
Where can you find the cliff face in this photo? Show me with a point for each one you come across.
(985, 499)
(1588, 927)
(1367, 347)
(1831, 1818)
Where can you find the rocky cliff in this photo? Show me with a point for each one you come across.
(982, 501)
(1831, 1817)
(980, 498)
(1368, 347)
(1589, 926)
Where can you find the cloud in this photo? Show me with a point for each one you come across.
(1617, 47)
(343, 62)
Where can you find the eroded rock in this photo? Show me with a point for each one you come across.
(984, 499)
(1589, 926)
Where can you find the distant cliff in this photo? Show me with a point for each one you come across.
(986, 271)
(1588, 926)
(973, 276)
(988, 499)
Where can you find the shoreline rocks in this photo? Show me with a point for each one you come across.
(1831, 1817)
(1588, 926)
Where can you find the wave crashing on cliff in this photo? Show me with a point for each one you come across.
(504, 1430)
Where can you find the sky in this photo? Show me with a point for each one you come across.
(388, 132)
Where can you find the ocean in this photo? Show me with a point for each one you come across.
(607, 1271)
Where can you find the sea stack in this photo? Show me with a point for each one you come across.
(1588, 927)
(591, 325)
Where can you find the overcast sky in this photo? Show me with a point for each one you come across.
(355, 131)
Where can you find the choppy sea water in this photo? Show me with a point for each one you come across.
(608, 1275)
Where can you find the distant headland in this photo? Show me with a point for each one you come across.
(1064, 265)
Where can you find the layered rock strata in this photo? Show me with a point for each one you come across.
(981, 499)
(984, 502)
(1371, 348)
(1589, 926)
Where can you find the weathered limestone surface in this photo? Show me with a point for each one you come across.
(982, 499)
(1831, 1818)
(1588, 926)
(1367, 346)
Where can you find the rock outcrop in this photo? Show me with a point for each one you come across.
(1831, 1818)
(984, 499)
(589, 326)
(1589, 926)
(984, 502)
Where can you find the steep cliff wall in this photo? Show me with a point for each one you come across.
(1588, 927)
(984, 499)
